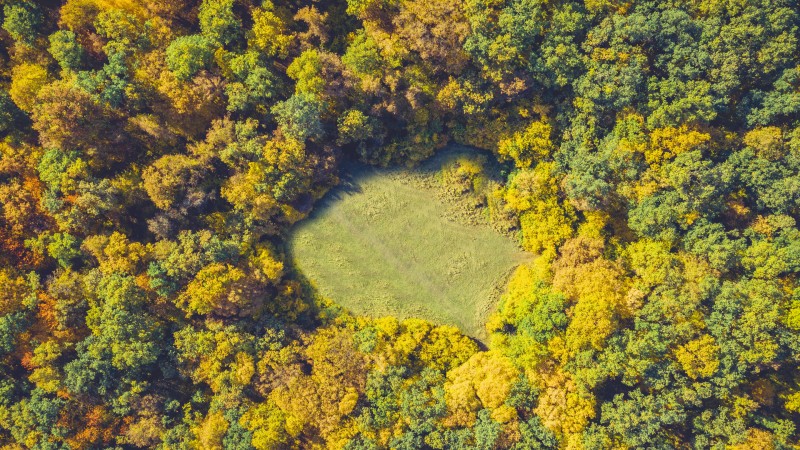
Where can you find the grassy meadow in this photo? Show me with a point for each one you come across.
(400, 242)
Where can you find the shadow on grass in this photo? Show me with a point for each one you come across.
(352, 174)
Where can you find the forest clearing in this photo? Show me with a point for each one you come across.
(385, 243)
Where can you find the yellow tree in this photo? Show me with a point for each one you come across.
(116, 253)
(270, 31)
(565, 407)
(596, 287)
(318, 405)
(267, 422)
(26, 82)
(546, 220)
(484, 381)
(219, 288)
(699, 358)
(528, 147)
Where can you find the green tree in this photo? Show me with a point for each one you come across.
(187, 55)
(66, 50)
(218, 21)
(299, 117)
(252, 86)
(21, 20)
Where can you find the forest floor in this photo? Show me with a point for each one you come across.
(393, 242)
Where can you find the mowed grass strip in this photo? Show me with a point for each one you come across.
(383, 244)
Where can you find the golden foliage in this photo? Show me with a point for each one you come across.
(26, 82)
(269, 32)
(213, 289)
(597, 287)
(699, 358)
(484, 381)
(268, 425)
(210, 431)
(116, 253)
(13, 290)
(767, 142)
(667, 143)
(564, 406)
(533, 145)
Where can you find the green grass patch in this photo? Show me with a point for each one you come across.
(410, 243)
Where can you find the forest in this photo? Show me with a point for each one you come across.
(155, 154)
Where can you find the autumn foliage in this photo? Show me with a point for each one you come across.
(155, 154)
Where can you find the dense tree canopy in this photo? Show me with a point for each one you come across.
(155, 154)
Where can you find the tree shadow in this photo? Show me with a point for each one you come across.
(351, 178)
(353, 174)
